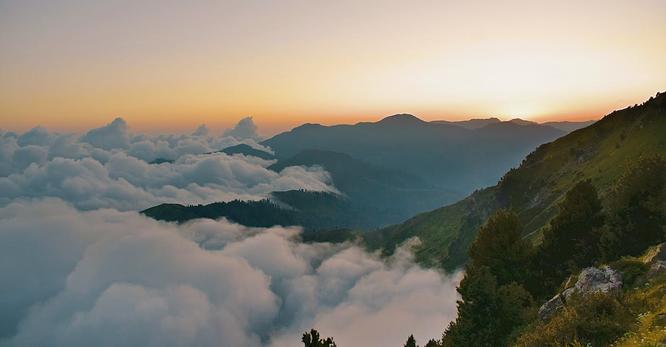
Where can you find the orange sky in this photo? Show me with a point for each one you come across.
(171, 65)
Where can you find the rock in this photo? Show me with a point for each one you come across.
(658, 267)
(604, 280)
(567, 293)
(590, 280)
(550, 307)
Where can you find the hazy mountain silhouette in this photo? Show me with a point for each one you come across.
(569, 126)
(471, 123)
(444, 155)
(387, 195)
(566, 126)
(248, 150)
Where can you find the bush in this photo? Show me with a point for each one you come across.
(632, 270)
(597, 319)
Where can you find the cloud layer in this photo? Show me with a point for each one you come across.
(110, 167)
(80, 267)
(110, 278)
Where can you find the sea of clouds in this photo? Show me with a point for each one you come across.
(80, 267)
(110, 167)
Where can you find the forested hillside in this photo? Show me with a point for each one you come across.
(599, 153)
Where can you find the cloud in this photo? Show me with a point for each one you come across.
(81, 268)
(109, 167)
(245, 129)
(110, 136)
(109, 278)
(202, 130)
(127, 183)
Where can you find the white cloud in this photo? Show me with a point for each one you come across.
(110, 167)
(78, 271)
(109, 278)
(245, 129)
(110, 136)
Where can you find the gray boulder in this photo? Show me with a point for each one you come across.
(590, 280)
(597, 280)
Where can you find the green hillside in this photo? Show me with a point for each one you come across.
(599, 152)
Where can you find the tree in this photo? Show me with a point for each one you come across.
(494, 302)
(488, 313)
(411, 342)
(500, 246)
(571, 240)
(638, 209)
(312, 339)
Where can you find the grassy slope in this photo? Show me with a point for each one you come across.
(649, 304)
(643, 296)
(599, 152)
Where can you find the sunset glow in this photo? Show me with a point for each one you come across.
(70, 65)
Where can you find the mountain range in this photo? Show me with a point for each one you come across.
(445, 155)
(385, 171)
(599, 152)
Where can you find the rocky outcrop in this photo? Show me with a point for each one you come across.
(590, 280)
(656, 258)
(551, 306)
(596, 280)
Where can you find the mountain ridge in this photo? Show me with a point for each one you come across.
(597, 152)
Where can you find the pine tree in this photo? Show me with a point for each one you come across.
(411, 342)
(494, 302)
(500, 246)
(571, 240)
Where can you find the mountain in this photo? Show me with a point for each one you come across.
(311, 210)
(371, 197)
(569, 126)
(381, 196)
(566, 126)
(248, 150)
(471, 123)
(522, 121)
(237, 149)
(598, 152)
(161, 161)
(446, 156)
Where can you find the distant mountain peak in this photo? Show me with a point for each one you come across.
(522, 121)
(489, 119)
(402, 118)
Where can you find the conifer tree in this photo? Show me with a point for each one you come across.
(411, 342)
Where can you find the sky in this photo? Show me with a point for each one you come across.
(70, 65)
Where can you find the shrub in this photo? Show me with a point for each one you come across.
(597, 319)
